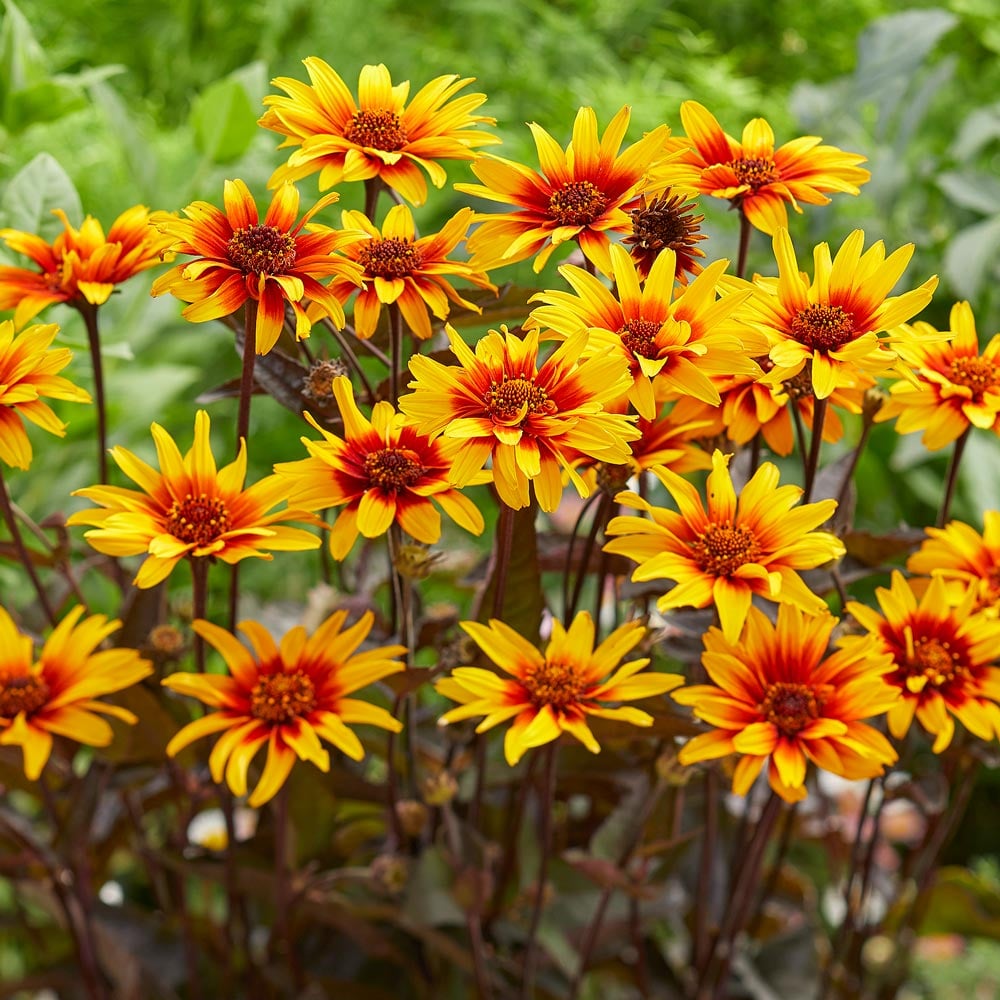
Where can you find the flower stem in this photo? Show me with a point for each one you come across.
(952, 481)
(199, 600)
(282, 874)
(373, 187)
(545, 846)
(22, 551)
(571, 544)
(396, 343)
(815, 444)
(700, 942)
(246, 375)
(89, 314)
(600, 519)
(501, 564)
(741, 256)
(352, 361)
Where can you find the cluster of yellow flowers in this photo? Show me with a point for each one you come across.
(657, 350)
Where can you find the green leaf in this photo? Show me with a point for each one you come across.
(224, 120)
(970, 257)
(35, 190)
(22, 58)
(972, 189)
(962, 902)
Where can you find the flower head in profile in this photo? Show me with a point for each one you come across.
(965, 560)
(241, 259)
(552, 692)
(830, 326)
(737, 546)
(582, 193)
(666, 222)
(413, 273)
(942, 658)
(753, 175)
(288, 697)
(80, 267)
(28, 366)
(380, 472)
(188, 509)
(674, 345)
(57, 694)
(776, 697)
(533, 420)
(379, 135)
(953, 386)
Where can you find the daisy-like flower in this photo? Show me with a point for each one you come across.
(776, 697)
(582, 193)
(398, 267)
(742, 545)
(678, 344)
(240, 258)
(953, 387)
(964, 559)
(289, 696)
(56, 695)
(832, 323)
(28, 367)
(551, 693)
(755, 176)
(532, 421)
(942, 656)
(381, 471)
(666, 222)
(80, 266)
(378, 136)
(188, 509)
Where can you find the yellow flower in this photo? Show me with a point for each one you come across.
(28, 369)
(674, 346)
(954, 387)
(739, 546)
(80, 265)
(755, 176)
(288, 696)
(381, 472)
(532, 420)
(240, 258)
(581, 194)
(942, 656)
(398, 267)
(188, 509)
(379, 136)
(776, 696)
(551, 693)
(57, 694)
(830, 326)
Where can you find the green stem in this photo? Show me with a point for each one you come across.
(952, 481)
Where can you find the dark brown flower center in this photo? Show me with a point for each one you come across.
(281, 698)
(391, 257)
(261, 250)
(790, 707)
(21, 692)
(755, 171)
(937, 660)
(823, 328)
(577, 203)
(381, 130)
(976, 374)
(198, 520)
(667, 222)
(724, 548)
(392, 469)
(799, 386)
(639, 336)
(513, 399)
(555, 684)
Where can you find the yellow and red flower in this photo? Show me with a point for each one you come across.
(831, 325)
(28, 367)
(380, 135)
(288, 696)
(755, 176)
(583, 193)
(739, 546)
(382, 471)
(188, 509)
(532, 420)
(241, 259)
(399, 268)
(942, 656)
(953, 386)
(551, 693)
(776, 697)
(676, 345)
(57, 694)
(80, 266)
